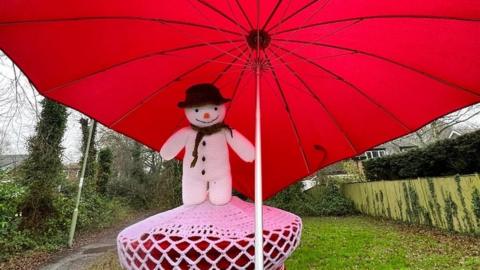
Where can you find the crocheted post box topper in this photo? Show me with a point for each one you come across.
(207, 236)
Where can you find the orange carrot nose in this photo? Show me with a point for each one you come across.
(206, 115)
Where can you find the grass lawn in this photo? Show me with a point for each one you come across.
(366, 243)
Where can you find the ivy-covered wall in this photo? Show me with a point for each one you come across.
(450, 203)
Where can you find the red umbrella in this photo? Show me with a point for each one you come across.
(335, 78)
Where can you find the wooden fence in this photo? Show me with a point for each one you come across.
(451, 203)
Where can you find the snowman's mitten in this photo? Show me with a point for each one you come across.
(175, 144)
(240, 145)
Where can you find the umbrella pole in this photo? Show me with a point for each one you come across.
(80, 185)
(258, 179)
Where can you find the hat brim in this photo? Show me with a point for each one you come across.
(184, 104)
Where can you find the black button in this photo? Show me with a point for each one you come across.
(204, 143)
(203, 172)
(203, 158)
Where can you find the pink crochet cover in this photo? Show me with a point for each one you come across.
(206, 236)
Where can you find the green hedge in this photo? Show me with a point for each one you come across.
(447, 157)
(321, 200)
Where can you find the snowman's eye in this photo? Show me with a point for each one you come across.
(216, 109)
(196, 110)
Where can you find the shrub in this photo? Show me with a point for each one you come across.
(293, 199)
(321, 200)
(160, 190)
(11, 239)
(328, 200)
(447, 157)
(95, 211)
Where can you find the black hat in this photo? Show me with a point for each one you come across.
(202, 94)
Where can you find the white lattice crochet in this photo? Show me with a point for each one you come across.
(206, 236)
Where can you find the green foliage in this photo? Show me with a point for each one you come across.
(322, 200)
(294, 200)
(170, 184)
(447, 157)
(328, 200)
(104, 170)
(476, 204)
(11, 239)
(37, 202)
(138, 171)
(160, 189)
(11, 196)
(95, 211)
(353, 169)
(42, 170)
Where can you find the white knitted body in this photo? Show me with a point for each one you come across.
(213, 163)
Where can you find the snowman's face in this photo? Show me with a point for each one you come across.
(205, 115)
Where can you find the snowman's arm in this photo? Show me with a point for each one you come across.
(174, 144)
(240, 145)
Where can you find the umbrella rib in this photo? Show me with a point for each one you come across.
(335, 31)
(277, 5)
(309, 17)
(213, 8)
(156, 92)
(237, 85)
(162, 21)
(219, 76)
(290, 117)
(244, 13)
(319, 101)
(356, 88)
(204, 17)
(164, 52)
(391, 61)
(295, 13)
(377, 17)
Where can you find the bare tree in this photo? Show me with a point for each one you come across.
(458, 121)
(19, 103)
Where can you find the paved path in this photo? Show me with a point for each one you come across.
(82, 256)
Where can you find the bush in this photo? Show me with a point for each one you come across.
(447, 157)
(293, 199)
(11, 239)
(328, 200)
(159, 190)
(321, 200)
(95, 211)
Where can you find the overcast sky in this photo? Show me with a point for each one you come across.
(18, 106)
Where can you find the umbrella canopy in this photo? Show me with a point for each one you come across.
(338, 77)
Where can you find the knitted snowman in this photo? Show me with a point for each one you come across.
(206, 165)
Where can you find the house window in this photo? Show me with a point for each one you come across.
(375, 153)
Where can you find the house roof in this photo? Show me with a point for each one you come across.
(9, 161)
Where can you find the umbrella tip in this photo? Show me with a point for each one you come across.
(258, 35)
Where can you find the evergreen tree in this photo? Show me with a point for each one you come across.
(42, 170)
(104, 171)
(138, 172)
